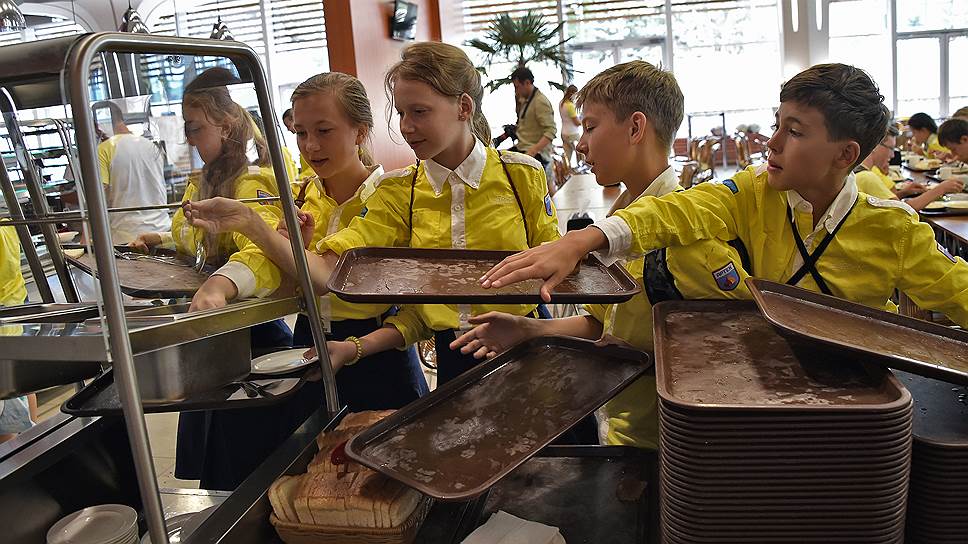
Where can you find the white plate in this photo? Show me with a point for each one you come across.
(103, 524)
(65, 237)
(957, 205)
(281, 362)
(936, 205)
(956, 196)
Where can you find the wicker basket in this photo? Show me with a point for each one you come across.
(304, 533)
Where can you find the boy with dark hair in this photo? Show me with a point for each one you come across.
(925, 133)
(630, 115)
(953, 134)
(799, 215)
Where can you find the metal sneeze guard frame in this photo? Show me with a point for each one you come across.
(41, 63)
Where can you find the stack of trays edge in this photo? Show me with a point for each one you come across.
(764, 441)
(938, 497)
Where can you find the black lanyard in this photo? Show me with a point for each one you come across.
(810, 259)
(517, 197)
(527, 104)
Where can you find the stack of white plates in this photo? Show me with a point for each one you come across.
(102, 524)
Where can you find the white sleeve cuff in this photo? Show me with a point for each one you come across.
(241, 276)
(619, 237)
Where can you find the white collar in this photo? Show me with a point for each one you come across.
(367, 188)
(838, 209)
(665, 183)
(469, 171)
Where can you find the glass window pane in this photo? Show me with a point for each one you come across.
(957, 75)
(860, 36)
(916, 15)
(919, 76)
(723, 70)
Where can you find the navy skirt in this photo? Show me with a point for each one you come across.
(221, 448)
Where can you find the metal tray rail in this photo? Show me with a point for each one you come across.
(100, 398)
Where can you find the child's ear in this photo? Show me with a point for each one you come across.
(849, 155)
(465, 105)
(638, 122)
(361, 134)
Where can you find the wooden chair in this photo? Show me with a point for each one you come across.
(687, 177)
(742, 144)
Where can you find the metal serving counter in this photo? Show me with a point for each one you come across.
(64, 72)
(592, 494)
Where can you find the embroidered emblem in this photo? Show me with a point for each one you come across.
(549, 209)
(944, 252)
(363, 212)
(732, 186)
(727, 277)
(259, 193)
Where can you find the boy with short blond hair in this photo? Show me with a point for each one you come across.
(800, 215)
(630, 115)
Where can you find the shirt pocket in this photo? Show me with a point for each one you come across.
(428, 229)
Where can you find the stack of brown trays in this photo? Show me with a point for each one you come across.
(938, 499)
(767, 441)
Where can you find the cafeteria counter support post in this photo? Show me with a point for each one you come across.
(57, 72)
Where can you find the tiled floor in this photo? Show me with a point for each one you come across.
(162, 430)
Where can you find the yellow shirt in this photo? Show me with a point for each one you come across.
(632, 415)
(291, 169)
(305, 169)
(330, 218)
(881, 246)
(932, 145)
(872, 182)
(13, 291)
(472, 207)
(248, 268)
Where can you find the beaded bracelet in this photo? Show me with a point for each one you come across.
(359, 349)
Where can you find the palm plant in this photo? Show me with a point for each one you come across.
(518, 41)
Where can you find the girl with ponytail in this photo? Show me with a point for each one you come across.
(461, 193)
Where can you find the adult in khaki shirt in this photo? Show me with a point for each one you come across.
(536, 117)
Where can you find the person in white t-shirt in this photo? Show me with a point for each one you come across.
(570, 123)
(132, 171)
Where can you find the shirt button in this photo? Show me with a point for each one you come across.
(458, 207)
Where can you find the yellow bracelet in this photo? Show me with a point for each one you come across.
(359, 349)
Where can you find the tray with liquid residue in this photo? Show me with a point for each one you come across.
(141, 277)
(713, 356)
(456, 442)
(452, 276)
(878, 336)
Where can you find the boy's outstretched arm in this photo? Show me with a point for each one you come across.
(550, 262)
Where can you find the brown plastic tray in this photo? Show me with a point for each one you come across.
(886, 338)
(940, 415)
(150, 279)
(456, 442)
(452, 276)
(722, 355)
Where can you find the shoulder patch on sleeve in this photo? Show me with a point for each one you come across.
(729, 183)
(511, 157)
(398, 173)
(890, 203)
